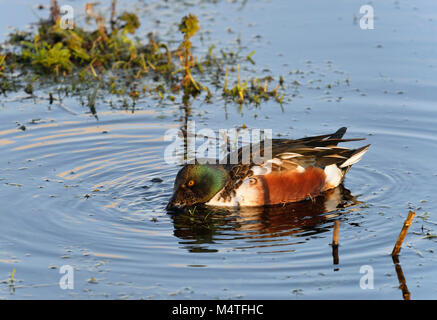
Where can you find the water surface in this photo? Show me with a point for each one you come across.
(92, 193)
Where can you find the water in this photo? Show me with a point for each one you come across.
(92, 193)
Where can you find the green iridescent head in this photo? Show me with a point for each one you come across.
(197, 184)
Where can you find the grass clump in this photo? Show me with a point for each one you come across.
(54, 49)
(252, 91)
(109, 58)
(48, 58)
(2, 64)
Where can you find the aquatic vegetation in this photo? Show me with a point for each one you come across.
(11, 279)
(99, 50)
(189, 27)
(55, 58)
(2, 64)
(110, 58)
(254, 90)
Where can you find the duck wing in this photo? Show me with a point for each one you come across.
(294, 155)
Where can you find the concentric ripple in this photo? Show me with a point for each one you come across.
(92, 194)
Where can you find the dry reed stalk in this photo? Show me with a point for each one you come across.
(407, 224)
(54, 11)
(335, 233)
(112, 21)
(335, 243)
(402, 282)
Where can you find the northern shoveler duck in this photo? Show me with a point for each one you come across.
(298, 170)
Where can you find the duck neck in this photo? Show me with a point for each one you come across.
(217, 176)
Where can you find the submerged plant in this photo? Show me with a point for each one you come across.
(251, 91)
(189, 27)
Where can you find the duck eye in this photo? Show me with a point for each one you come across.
(190, 183)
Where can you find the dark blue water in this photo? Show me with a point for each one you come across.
(92, 193)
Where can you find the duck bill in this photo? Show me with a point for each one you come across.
(174, 204)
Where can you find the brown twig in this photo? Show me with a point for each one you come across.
(401, 278)
(100, 21)
(112, 21)
(335, 233)
(335, 242)
(54, 11)
(101, 25)
(407, 224)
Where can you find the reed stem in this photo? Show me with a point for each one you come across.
(336, 233)
(407, 224)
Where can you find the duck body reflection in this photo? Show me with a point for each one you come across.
(202, 228)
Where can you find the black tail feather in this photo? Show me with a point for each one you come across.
(339, 133)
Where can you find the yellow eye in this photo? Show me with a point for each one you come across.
(190, 183)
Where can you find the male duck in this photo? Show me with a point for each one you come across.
(299, 169)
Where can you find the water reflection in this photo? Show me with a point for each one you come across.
(401, 278)
(206, 228)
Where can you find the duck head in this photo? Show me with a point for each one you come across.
(197, 184)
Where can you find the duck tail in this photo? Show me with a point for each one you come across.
(339, 133)
(356, 156)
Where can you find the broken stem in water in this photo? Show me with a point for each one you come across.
(401, 278)
(335, 233)
(112, 21)
(335, 242)
(54, 11)
(403, 233)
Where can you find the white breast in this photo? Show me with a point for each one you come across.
(249, 194)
